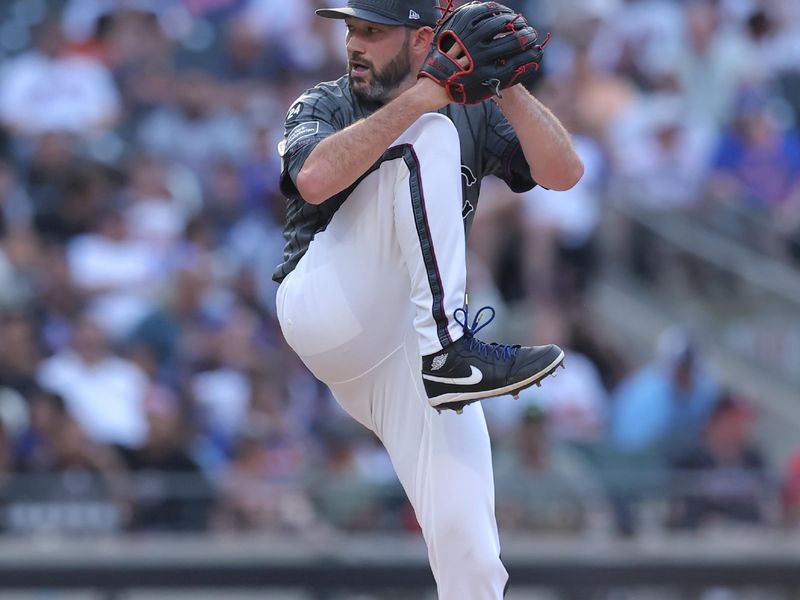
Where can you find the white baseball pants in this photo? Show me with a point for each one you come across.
(375, 291)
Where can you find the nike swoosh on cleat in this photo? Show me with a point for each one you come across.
(474, 377)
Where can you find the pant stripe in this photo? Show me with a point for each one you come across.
(406, 152)
(426, 243)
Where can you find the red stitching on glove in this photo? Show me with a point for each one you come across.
(446, 10)
(521, 71)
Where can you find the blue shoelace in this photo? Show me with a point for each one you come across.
(501, 351)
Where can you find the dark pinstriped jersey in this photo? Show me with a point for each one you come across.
(489, 146)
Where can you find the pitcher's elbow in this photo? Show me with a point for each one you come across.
(310, 187)
(576, 172)
(569, 176)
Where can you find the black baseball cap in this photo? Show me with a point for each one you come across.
(411, 13)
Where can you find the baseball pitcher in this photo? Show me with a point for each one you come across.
(382, 170)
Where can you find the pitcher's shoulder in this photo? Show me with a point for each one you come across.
(325, 99)
(338, 88)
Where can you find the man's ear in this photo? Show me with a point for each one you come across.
(422, 40)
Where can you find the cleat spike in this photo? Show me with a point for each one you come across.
(538, 384)
(460, 411)
(515, 396)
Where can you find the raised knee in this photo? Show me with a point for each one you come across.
(433, 130)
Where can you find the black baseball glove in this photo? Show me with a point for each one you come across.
(502, 50)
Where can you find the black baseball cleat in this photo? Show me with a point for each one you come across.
(469, 369)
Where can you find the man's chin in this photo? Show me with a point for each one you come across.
(363, 89)
(359, 83)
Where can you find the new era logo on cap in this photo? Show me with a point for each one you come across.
(413, 15)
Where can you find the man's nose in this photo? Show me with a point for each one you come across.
(355, 46)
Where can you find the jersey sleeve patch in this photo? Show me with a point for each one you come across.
(301, 132)
(295, 110)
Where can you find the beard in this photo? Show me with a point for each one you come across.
(382, 83)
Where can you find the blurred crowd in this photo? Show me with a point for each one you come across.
(144, 382)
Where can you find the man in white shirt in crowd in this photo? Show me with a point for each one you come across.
(103, 392)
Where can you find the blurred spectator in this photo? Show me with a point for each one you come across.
(561, 250)
(496, 252)
(103, 392)
(791, 492)
(57, 299)
(69, 484)
(224, 197)
(284, 446)
(172, 492)
(249, 55)
(85, 194)
(586, 98)
(269, 412)
(292, 26)
(255, 245)
(773, 39)
(758, 159)
(723, 479)
(661, 152)
(261, 167)
(178, 332)
(80, 16)
(252, 500)
(342, 494)
(642, 40)
(221, 388)
(541, 484)
(664, 406)
(136, 40)
(198, 128)
(592, 338)
(120, 274)
(19, 254)
(49, 89)
(15, 205)
(50, 170)
(713, 64)
(36, 446)
(20, 353)
(153, 214)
